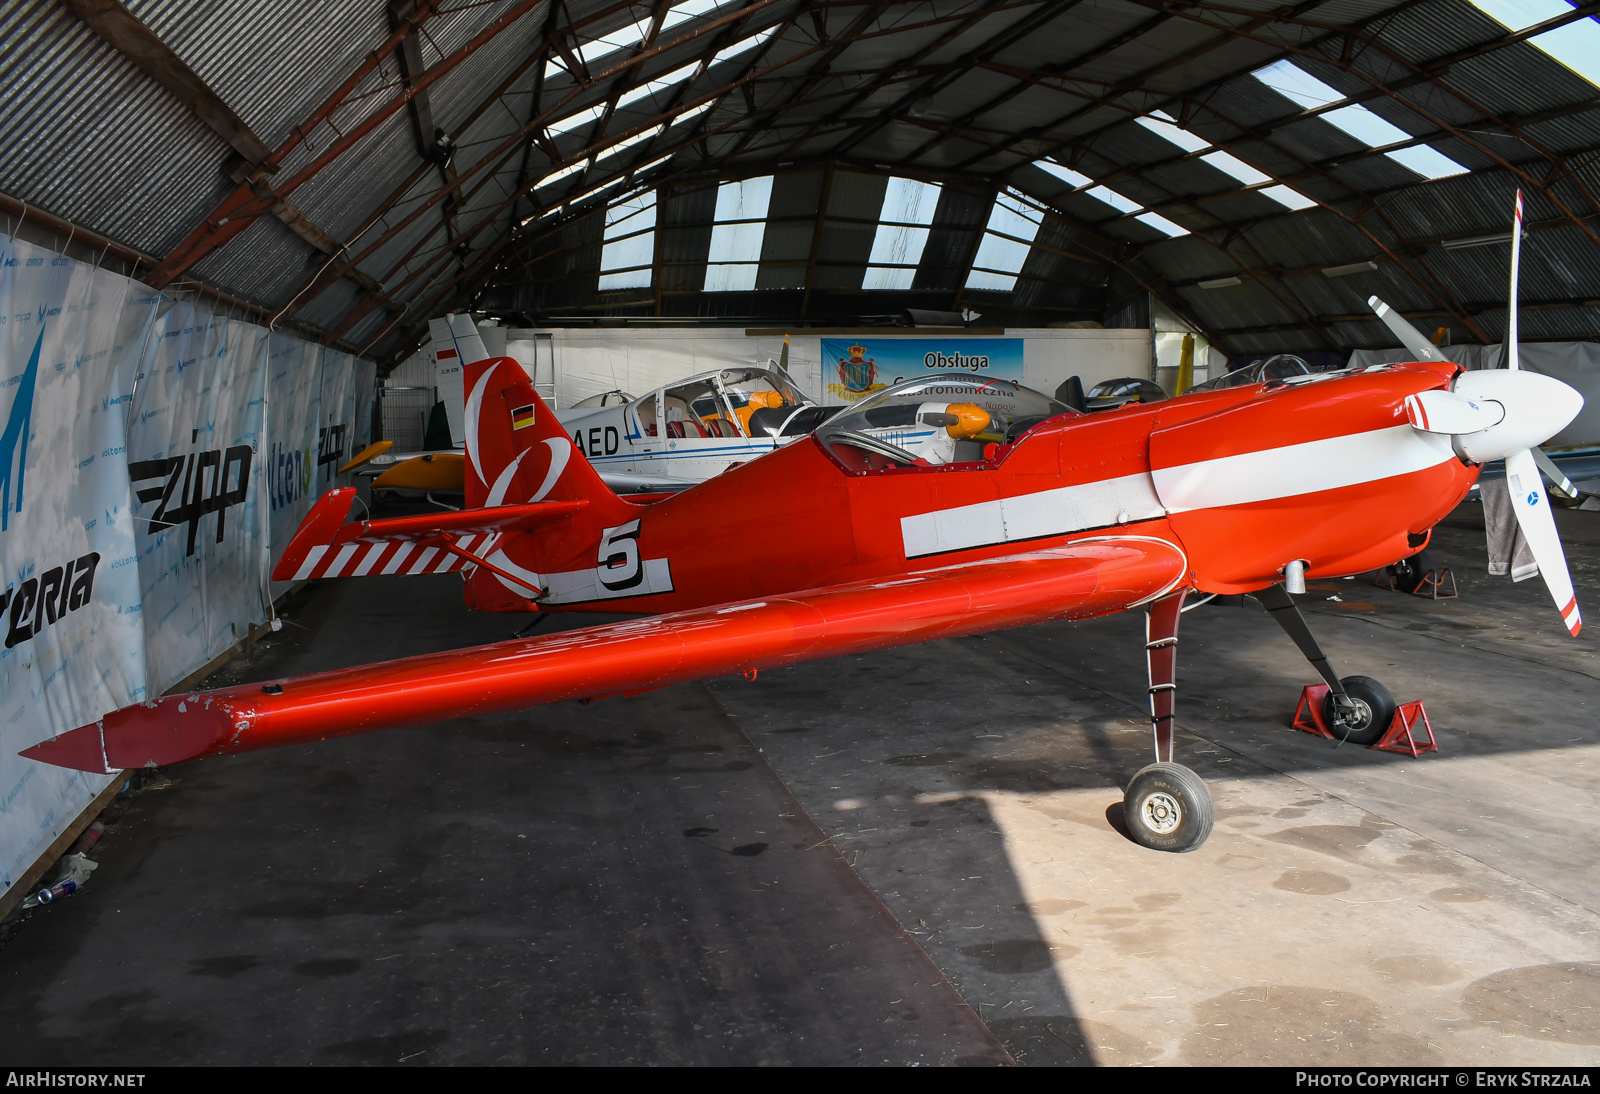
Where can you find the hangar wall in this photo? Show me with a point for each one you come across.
(153, 455)
(588, 361)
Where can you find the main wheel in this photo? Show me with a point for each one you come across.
(1374, 711)
(1168, 808)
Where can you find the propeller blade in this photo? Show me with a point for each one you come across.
(1539, 529)
(1511, 301)
(1410, 337)
(1448, 412)
(1528, 500)
(1554, 474)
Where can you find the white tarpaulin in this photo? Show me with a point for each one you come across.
(193, 455)
(145, 482)
(70, 339)
(294, 415)
(1573, 363)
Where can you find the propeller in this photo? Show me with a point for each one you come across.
(1504, 413)
(1522, 473)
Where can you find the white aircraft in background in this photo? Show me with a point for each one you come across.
(666, 440)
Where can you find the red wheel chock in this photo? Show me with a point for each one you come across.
(1402, 736)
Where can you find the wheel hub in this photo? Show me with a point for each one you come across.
(1161, 813)
(1359, 718)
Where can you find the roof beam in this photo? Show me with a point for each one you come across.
(123, 32)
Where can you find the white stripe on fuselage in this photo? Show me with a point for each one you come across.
(1265, 475)
(1307, 468)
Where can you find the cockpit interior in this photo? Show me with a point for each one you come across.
(949, 421)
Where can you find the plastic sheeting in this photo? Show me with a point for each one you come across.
(146, 483)
(70, 340)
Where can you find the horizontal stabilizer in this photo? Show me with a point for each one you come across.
(325, 546)
(1088, 578)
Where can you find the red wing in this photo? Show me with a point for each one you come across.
(1077, 581)
(325, 546)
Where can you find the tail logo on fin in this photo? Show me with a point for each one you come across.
(560, 453)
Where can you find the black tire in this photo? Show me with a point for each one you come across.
(1377, 707)
(1154, 794)
(1409, 572)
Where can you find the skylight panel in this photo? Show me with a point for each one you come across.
(628, 252)
(1007, 239)
(1065, 174)
(1119, 202)
(1301, 87)
(1283, 195)
(657, 85)
(570, 169)
(637, 138)
(1229, 164)
(1163, 125)
(693, 112)
(1128, 205)
(1162, 224)
(1576, 45)
(1184, 139)
(573, 121)
(682, 13)
(741, 225)
(625, 37)
(744, 45)
(1114, 199)
(902, 234)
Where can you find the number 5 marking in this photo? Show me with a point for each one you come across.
(619, 557)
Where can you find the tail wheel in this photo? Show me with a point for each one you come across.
(1409, 572)
(1168, 808)
(1375, 709)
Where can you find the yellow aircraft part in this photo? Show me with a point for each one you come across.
(366, 454)
(1186, 365)
(759, 400)
(971, 420)
(435, 471)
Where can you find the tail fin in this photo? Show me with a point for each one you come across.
(456, 344)
(517, 452)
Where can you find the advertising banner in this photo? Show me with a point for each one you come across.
(852, 369)
(71, 638)
(294, 418)
(337, 413)
(199, 415)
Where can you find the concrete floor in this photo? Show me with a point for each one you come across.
(581, 884)
(1351, 907)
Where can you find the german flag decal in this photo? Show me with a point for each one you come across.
(522, 417)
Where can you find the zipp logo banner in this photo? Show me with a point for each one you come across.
(197, 492)
(71, 623)
(200, 417)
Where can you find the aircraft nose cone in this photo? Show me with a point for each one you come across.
(1537, 408)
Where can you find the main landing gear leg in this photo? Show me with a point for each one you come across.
(1358, 708)
(1167, 807)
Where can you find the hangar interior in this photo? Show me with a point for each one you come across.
(227, 229)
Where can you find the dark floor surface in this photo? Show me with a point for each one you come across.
(624, 882)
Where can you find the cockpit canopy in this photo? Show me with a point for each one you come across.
(933, 421)
(1110, 394)
(1282, 366)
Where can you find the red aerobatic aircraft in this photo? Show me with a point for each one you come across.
(940, 507)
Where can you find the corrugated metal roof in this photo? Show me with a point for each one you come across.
(1066, 78)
